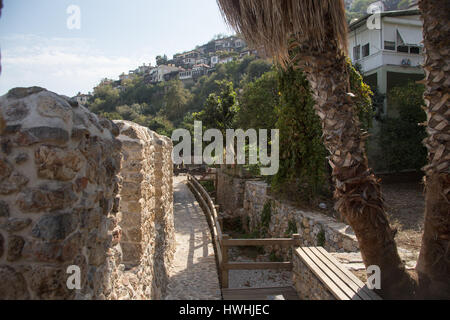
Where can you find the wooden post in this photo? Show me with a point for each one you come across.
(220, 222)
(296, 238)
(224, 262)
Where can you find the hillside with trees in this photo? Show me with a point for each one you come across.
(358, 8)
(166, 105)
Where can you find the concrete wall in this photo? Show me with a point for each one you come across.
(60, 203)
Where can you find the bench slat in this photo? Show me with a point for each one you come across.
(335, 290)
(355, 279)
(341, 284)
(339, 273)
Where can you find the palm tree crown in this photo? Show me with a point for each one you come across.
(273, 23)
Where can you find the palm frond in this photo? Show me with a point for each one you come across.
(274, 23)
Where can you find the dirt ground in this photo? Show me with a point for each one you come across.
(405, 203)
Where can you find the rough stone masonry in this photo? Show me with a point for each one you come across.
(79, 190)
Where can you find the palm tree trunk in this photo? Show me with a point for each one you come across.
(434, 261)
(358, 193)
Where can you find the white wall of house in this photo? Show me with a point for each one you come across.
(383, 43)
(214, 60)
(185, 75)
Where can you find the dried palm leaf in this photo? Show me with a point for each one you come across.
(274, 23)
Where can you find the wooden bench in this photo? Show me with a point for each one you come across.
(343, 284)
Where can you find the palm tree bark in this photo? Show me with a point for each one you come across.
(358, 193)
(434, 261)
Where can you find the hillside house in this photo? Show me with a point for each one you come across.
(185, 75)
(159, 73)
(214, 60)
(226, 60)
(229, 44)
(82, 98)
(390, 55)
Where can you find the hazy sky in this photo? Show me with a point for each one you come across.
(38, 49)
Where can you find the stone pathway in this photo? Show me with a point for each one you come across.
(193, 275)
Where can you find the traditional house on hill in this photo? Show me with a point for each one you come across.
(187, 58)
(214, 61)
(82, 98)
(161, 73)
(229, 44)
(143, 69)
(124, 76)
(106, 81)
(200, 70)
(185, 75)
(248, 52)
(227, 59)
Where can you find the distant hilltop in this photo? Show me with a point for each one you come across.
(187, 66)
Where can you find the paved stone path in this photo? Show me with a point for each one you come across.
(193, 275)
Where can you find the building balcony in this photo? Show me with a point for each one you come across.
(390, 58)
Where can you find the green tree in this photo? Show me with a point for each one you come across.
(176, 100)
(257, 68)
(401, 137)
(392, 4)
(360, 6)
(161, 60)
(220, 109)
(302, 154)
(104, 99)
(258, 102)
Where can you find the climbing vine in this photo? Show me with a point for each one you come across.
(304, 172)
(266, 215)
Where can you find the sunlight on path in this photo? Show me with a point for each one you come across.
(193, 275)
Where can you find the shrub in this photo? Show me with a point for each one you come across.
(321, 238)
(401, 137)
(266, 215)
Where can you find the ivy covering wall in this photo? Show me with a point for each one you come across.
(304, 171)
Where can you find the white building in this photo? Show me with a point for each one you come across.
(390, 53)
(226, 60)
(214, 60)
(159, 72)
(185, 75)
(82, 98)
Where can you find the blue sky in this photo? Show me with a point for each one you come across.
(115, 36)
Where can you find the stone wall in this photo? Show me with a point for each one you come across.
(60, 202)
(306, 283)
(314, 228)
(145, 213)
(230, 193)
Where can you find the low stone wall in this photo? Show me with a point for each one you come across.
(145, 213)
(60, 203)
(306, 283)
(230, 193)
(315, 229)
